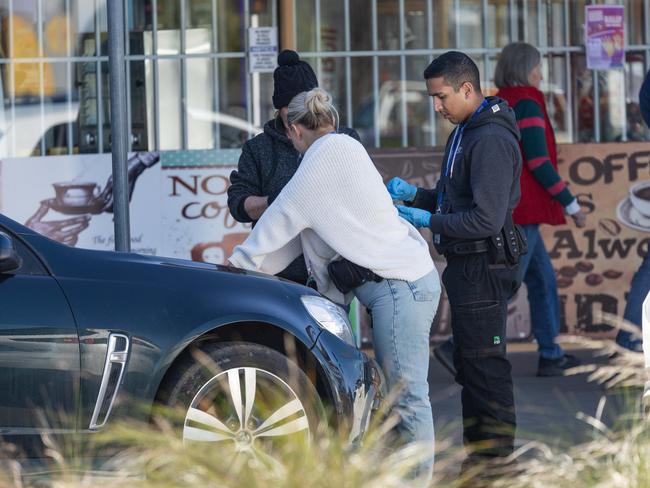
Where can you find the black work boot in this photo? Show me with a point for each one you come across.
(556, 367)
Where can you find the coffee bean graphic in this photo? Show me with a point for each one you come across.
(594, 279)
(568, 271)
(612, 274)
(563, 282)
(609, 227)
(584, 266)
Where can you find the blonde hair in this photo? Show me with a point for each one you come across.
(313, 109)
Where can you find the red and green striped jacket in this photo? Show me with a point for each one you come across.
(544, 194)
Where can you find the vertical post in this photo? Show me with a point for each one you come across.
(117, 80)
(597, 135)
(568, 69)
(183, 61)
(402, 68)
(288, 24)
(375, 76)
(646, 40)
(348, 66)
(513, 34)
(432, 113)
(319, 34)
(216, 127)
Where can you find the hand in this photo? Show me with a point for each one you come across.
(416, 216)
(255, 206)
(65, 231)
(401, 190)
(580, 219)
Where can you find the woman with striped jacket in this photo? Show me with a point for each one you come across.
(544, 196)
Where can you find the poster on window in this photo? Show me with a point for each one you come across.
(70, 198)
(595, 265)
(605, 36)
(178, 202)
(195, 219)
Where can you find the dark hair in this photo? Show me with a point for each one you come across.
(456, 68)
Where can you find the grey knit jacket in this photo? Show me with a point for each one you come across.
(267, 163)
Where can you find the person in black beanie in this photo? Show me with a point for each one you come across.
(269, 160)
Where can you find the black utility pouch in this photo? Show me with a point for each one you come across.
(347, 276)
(516, 243)
(521, 239)
(507, 247)
(497, 249)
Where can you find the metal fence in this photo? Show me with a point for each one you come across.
(188, 85)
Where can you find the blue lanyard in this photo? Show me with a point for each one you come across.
(455, 145)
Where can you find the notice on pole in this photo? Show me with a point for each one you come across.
(262, 49)
(605, 36)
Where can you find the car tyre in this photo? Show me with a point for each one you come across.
(245, 396)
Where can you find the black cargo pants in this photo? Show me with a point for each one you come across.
(478, 296)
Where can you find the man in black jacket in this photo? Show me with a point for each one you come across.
(470, 205)
(269, 160)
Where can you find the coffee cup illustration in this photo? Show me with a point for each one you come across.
(640, 197)
(75, 194)
(217, 252)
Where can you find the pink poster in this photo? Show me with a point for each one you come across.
(605, 36)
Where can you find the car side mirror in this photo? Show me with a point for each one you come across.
(10, 260)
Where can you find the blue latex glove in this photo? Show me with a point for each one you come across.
(416, 216)
(401, 190)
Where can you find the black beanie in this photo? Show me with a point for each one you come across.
(291, 77)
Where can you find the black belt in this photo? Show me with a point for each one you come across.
(470, 247)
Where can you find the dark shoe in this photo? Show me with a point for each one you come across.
(445, 354)
(482, 471)
(556, 367)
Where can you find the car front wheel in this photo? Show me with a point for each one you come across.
(245, 396)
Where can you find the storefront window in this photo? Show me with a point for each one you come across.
(188, 85)
(405, 35)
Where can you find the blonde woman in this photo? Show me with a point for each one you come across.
(336, 209)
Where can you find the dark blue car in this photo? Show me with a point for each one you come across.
(249, 358)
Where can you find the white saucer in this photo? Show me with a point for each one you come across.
(631, 217)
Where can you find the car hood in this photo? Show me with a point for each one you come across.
(75, 262)
(185, 263)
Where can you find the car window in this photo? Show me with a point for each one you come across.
(31, 264)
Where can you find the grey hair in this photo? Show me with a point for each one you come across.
(313, 109)
(515, 63)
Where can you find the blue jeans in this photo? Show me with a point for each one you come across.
(638, 290)
(402, 314)
(537, 272)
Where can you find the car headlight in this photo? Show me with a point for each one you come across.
(329, 316)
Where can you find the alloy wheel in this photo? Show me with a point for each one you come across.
(248, 409)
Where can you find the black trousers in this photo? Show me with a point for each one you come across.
(478, 296)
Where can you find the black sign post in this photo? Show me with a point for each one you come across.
(119, 130)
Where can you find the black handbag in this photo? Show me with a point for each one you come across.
(347, 276)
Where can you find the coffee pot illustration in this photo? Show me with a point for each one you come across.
(84, 199)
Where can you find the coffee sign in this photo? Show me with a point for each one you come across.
(595, 265)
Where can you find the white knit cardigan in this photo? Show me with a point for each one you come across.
(335, 205)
